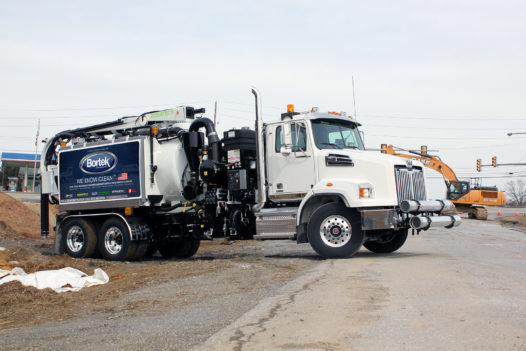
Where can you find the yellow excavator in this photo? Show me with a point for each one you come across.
(467, 197)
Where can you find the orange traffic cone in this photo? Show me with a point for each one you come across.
(517, 214)
(499, 213)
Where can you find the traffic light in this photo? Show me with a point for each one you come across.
(494, 161)
(478, 164)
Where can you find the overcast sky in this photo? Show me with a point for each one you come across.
(447, 74)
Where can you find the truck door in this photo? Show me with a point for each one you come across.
(290, 167)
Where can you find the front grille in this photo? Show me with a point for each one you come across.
(410, 184)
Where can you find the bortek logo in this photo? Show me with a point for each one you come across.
(98, 162)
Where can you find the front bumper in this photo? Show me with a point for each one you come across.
(419, 215)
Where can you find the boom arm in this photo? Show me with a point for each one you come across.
(433, 162)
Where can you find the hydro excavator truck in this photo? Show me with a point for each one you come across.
(468, 197)
(163, 181)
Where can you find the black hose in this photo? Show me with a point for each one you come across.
(173, 207)
(213, 140)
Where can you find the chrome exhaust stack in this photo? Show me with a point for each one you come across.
(435, 206)
(425, 222)
(261, 171)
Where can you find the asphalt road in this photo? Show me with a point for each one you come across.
(460, 289)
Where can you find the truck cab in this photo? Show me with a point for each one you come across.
(324, 188)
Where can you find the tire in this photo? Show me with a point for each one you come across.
(181, 249)
(79, 238)
(140, 251)
(392, 241)
(114, 241)
(334, 231)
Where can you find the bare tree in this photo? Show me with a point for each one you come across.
(516, 192)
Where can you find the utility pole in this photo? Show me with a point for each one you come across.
(354, 99)
(36, 155)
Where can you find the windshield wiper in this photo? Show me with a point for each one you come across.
(331, 144)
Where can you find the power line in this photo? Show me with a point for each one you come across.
(104, 108)
(475, 119)
(489, 129)
(430, 137)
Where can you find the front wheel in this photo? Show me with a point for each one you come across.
(391, 241)
(334, 231)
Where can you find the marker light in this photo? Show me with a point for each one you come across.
(366, 191)
(62, 143)
(334, 113)
(329, 184)
(290, 108)
(128, 211)
(155, 130)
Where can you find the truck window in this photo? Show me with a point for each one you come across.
(299, 143)
(336, 134)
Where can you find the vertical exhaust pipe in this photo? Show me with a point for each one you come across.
(261, 171)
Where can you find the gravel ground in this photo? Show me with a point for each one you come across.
(444, 290)
(170, 314)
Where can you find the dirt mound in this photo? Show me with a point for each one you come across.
(20, 219)
(518, 221)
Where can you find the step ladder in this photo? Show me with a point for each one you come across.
(276, 223)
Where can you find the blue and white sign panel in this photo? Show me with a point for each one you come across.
(100, 173)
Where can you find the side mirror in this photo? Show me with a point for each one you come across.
(285, 150)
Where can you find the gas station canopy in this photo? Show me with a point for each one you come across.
(15, 159)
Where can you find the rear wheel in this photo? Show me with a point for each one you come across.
(114, 241)
(180, 249)
(140, 251)
(390, 241)
(79, 238)
(334, 231)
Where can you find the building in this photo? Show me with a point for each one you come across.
(18, 170)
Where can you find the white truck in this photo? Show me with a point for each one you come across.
(164, 181)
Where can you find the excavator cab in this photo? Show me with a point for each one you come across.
(456, 189)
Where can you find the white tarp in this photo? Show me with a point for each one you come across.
(60, 280)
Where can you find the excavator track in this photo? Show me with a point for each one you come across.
(478, 212)
(481, 213)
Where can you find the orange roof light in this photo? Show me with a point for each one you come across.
(334, 113)
(329, 184)
(290, 108)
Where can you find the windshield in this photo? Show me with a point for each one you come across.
(335, 134)
(457, 189)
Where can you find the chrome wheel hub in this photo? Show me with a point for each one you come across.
(335, 231)
(113, 240)
(75, 238)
